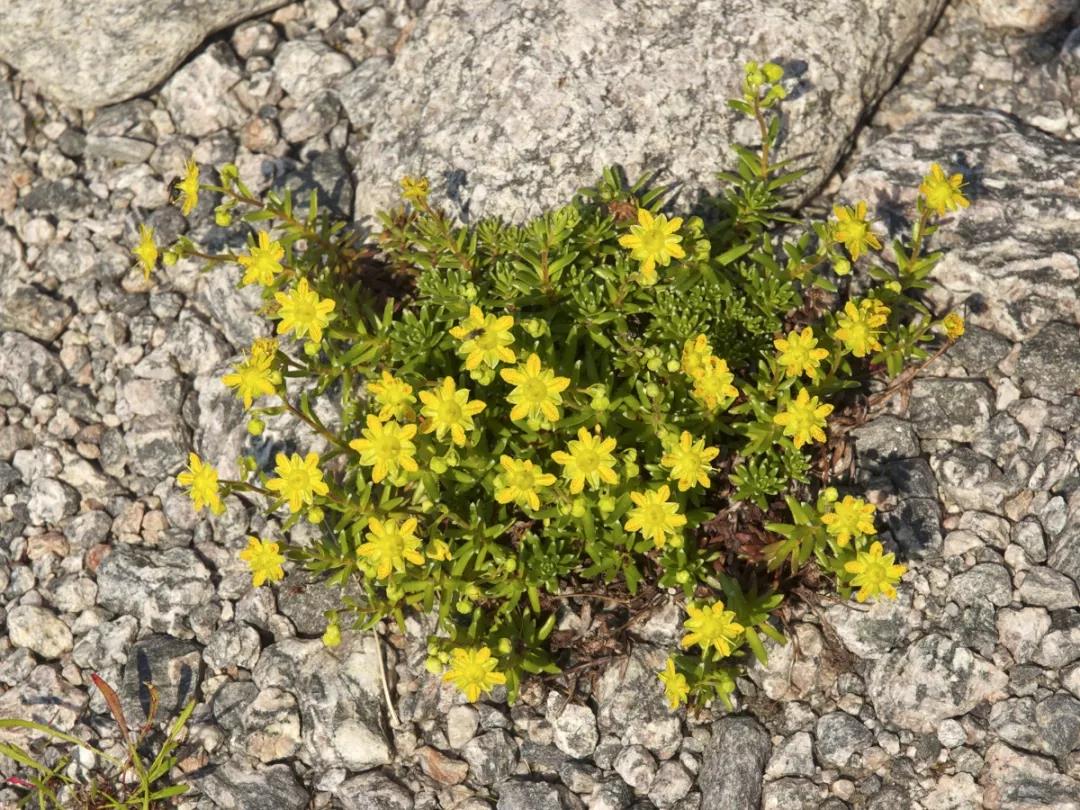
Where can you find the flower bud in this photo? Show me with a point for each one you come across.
(332, 636)
(829, 495)
(673, 366)
(256, 426)
(315, 515)
(505, 646)
(841, 267)
(607, 504)
(311, 348)
(222, 217)
(682, 577)
(464, 606)
(578, 508)
(433, 665)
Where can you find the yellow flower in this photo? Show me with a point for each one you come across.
(146, 251)
(860, 326)
(537, 392)
(954, 325)
(485, 339)
(262, 263)
(521, 482)
(875, 573)
(799, 353)
(849, 518)
(265, 561)
(689, 461)
(255, 377)
(653, 242)
(438, 550)
(202, 478)
(299, 479)
(656, 517)
(474, 672)
(189, 188)
(394, 397)
(414, 188)
(386, 447)
(589, 460)
(675, 686)
(804, 418)
(943, 193)
(852, 229)
(695, 355)
(712, 626)
(449, 410)
(712, 387)
(389, 546)
(303, 312)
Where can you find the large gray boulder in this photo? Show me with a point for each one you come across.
(92, 54)
(1011, 259)
(510, 107)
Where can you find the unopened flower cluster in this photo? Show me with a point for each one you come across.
(565, 406)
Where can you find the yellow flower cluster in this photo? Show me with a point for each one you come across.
(712, 379)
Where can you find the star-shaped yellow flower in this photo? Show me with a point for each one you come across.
(849, 518)
(521, 481)
(265, 561)
(653, 241)
(202, 478)
(954, 325)
(676, 688)
(695, 354)
(394, 397)
(589, 459)
(656, 517)
(943, 193)
(713, 385)
(485, 339)
(804, 419)
(859, 326)
(449, 410)
(853, 230)
(303, 312)
(875, 573)
(255, 377)
(799, 353)
(189, 188)
(389, 546)
(689, 461)
(712, 626)
(474, 671)
(146, 251)
(386, 447)
(263, 262)
(299, 479)
(537, 392)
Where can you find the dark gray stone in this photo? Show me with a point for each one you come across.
(958, 410)
(373, 791)
(884, 439)
(160, 588)
(1049, 363)
(171, 665)
(491, 757)
(839, 736)
(237, 785)
(733, 764)
(33, 312)
(986, 581)
(520, 794)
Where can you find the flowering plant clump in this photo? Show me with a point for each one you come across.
(604, 404)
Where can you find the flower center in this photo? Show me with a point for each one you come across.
(534, 390)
